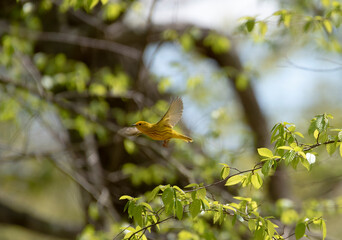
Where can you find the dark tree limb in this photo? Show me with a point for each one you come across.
(12, 216)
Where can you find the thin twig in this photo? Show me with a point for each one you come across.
(223, 180)
(117, 235)
(27, 63)
(151, 225)
(313, 69)
(319, 144)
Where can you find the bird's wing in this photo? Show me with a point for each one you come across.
(129, 131)
(174, 113)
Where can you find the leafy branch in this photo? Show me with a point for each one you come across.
(176, 201)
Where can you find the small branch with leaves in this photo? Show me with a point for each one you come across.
(176, 202)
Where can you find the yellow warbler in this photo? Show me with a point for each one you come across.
(162, 130)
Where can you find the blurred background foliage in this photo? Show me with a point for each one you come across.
(73, 73)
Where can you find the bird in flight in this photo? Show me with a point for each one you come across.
(162, 130)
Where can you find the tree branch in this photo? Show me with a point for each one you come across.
(151, 225)
(73, 39)
(9, 215)
(256, 167)
(60, 103)
(88, 42)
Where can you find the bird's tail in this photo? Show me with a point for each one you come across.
(183, 137)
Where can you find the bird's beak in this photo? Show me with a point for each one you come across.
(134, 125)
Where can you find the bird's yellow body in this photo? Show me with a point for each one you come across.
(162, 130)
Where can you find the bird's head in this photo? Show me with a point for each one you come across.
(142, 125)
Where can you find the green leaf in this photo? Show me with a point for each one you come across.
(301, 153)
(270, 228)
(299, 134)
(247, 180)
(225, 172)
(93, 211)
(167, 195)
(275, 128)
(266, 167)
(300, 230)
(205, 203)
(193, 195)
(285, 148)
(129, 233)
(201, 193)
(312, 127)
(126, 197)
(331, 148)
(219, 44)
(291, 128)
(265, 152)
(250, 25)
(179, 210)
(91, 4)
(195, 208)
(178, 189)
(112, 11)
(153, 193)
(307, 25)
(259, 179)
(229, 207)
(295, 162)
(252, 224)
(259, 234)
(327, 25)
(131, 208)
(340, 136)
(289, 156)
(316, 133)
(324, 229)
(186, 41)
(325, 3)
(216, 217)
(167, 198)
(137, 215)
(234, 219)
(97, 89)
(256, 180)
(234, 180)
(287, 19)
(341, 150)
(306, 164)
(321, 122)
(148, 206)
(191, 185)
(262, 29)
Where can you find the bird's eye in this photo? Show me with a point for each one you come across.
(139, 123)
